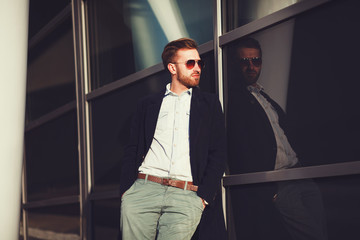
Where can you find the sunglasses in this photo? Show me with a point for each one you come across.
(256, 61)
(190, 64)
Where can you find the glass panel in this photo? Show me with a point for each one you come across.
(48, 10)
(106, 219)
(128, 36)
(111, 127)
(52, 166)
(208, 79)
(58, 222)
(341, 201)
(51, 72)
(241, 12)
(326, 120)
(301, 71)
(301, 209)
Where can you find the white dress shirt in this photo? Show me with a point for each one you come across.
(169, 154)
(285, 157)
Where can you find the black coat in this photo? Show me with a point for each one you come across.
(207, 153)
(251, 139)
(252, 148)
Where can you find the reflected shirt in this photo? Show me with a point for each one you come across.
(285, 155)
(169, 153)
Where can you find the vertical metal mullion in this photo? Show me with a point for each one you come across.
(219, 74)
(218, 50)
(80, 47)
(24, 197)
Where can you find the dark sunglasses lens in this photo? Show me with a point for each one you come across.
(201, 64)
(244, 62)
(256, 61)
(190, 64)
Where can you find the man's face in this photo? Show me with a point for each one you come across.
(185, 76)
(250, 64)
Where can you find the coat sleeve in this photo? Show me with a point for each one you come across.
(128, 164)
(216, 155)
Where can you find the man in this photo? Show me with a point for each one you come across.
(259, 141)
(176, 157)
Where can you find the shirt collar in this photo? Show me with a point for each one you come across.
(256, 89)
(168, 91)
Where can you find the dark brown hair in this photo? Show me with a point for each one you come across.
(172, 47)
(248, 42)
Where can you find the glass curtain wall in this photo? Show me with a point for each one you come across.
(90, 61)
(51, 207)
(300, 71)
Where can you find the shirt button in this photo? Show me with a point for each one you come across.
(174, 145)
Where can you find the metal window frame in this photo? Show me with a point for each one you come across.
(83, 118)
(270, 20)
(320, 171)
(59, 19)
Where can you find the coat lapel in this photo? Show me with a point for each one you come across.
(260, 112)
(151, 116)
(196, 116)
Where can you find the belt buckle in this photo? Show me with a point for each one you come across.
(165, 181)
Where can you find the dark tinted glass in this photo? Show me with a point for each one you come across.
(341, 202)
(208, 79)
(51, 72)
(322, 99)
(106, 219)
(308, 209)
(241, 12)
(42, 12)
(128, 36)
(57, 222)
(301, 71)
(52, 160)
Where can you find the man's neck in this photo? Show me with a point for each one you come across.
(178, 88)
(254, 84)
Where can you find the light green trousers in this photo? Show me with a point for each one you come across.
(152, 211)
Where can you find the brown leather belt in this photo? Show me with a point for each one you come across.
(170, 182)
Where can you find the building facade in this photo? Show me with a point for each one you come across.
(90, 61)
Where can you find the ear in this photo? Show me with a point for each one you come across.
(172, 69)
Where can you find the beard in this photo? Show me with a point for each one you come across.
(189, 81)
(250, 77)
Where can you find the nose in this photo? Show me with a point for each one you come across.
(251, 65)
(197, 67)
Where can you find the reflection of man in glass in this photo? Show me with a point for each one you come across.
(176, 157)
(258, 141)
(250, 64)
